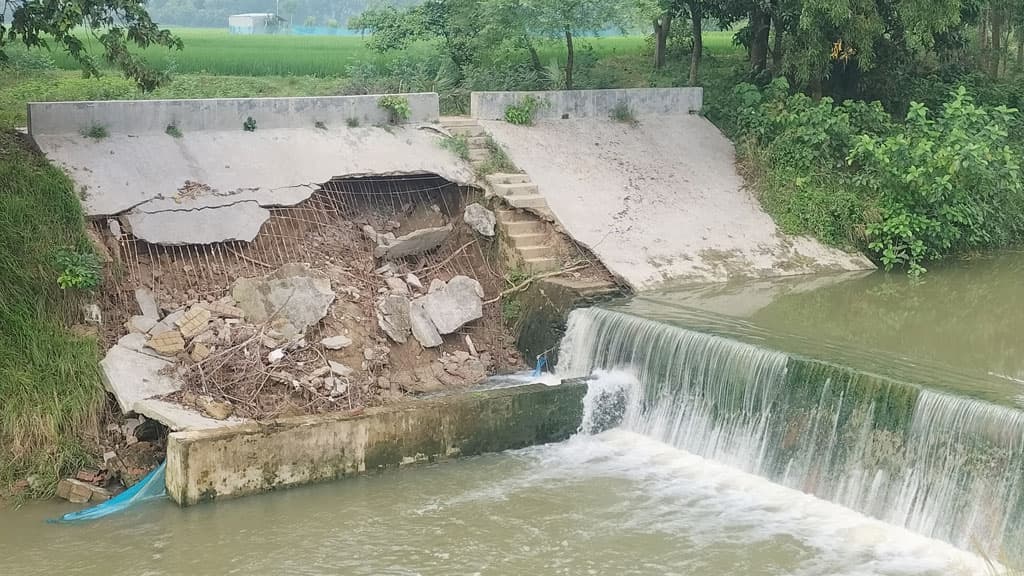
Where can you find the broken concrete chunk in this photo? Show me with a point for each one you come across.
(388, 269)
(370, 233)
(140, 324)
(78, 492)
(459, 302)
(241, 221)
(148, 305)
(339, 369)
(393, 316)
(336, 342)
(194, 322)
(92, 313)
(436, 284)
(418, 242)
(423, 328)
(167, 343)
(223, 310)
(397, 285)
(177, 417)
(480, 219)
(131, 376)
(275, 356)
(200, 352)
(414, 281)
(115, 228)
(294, 294)
(470, 346)
(168, 323)
(218, 410)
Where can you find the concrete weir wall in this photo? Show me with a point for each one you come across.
(258, 457)
(135, 116)
(590, 103)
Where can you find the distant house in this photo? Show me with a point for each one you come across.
(255, 23)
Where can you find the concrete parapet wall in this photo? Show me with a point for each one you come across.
(257, 457)
(137, 116)
(591, 103)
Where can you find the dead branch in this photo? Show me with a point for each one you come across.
(531, 279)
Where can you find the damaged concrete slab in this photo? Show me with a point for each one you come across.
(177, 417)
(240, 221)
(133, 376)
(294, 297)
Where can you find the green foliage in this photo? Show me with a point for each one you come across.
(457, 145)
(352, 122)
(396, 106)
(117, 24)
(621, 112)
(173, 131)
(945, 184)
(497, 161)
(319, 125)
(511, 310)
(521, 113)
(96, 132)
(249, 125)
(49, 379)
(78, 270)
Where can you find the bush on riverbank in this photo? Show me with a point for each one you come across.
(907, 192)
(50, 391)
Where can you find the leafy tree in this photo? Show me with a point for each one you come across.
(114, 23)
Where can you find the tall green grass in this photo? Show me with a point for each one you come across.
(50, 391)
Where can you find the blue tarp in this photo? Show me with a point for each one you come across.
(149, 488)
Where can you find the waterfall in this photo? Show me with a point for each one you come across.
(944, 466)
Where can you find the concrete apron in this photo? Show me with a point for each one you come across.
(256, 457)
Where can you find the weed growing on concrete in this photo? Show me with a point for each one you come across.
(96, 132)
(352, 122)
(173, 131)
(249, 125)
(624, 114)
(457, 145)
(78, 269)
(521, 114)
(396, 106)
(497, 162)
(319, 125)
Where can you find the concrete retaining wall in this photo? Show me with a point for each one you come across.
(136, 116)
(258, 457)
(591, 103)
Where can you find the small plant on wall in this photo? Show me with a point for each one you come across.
(249, 125)
(397, 108)
(521, 113)
(79, 270)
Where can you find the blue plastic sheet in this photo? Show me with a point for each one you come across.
(149, 488)
(541, 361)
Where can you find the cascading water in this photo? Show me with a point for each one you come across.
(948, 467)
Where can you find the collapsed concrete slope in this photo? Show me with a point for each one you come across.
(656, 201)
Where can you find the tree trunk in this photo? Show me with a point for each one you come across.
(997, 38)
(760, 27)
(697, 18)
(1020, 49)
(662, 26)
(817, 87)
(534, 56)
(569, 60)
(777, 50)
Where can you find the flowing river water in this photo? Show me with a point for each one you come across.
(731, 450)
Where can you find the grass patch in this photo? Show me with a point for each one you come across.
(96, 132)
(624, 114)
(173, 131)
(457, 145)
(49, 379)
(352, 122)
(497, 162)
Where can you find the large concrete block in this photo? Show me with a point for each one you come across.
(257, 457)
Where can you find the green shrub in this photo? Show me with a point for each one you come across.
(396, 106)
(79, 270)
(352, 122)
(173, 131)
(249, 125)
(521, 113)
(621, 112)
(457, 145)
(96, 132)
(945, 184)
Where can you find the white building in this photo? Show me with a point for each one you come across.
(256, 23)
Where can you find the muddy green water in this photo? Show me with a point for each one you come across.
(616, 503)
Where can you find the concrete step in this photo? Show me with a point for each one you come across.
(527, 201)
(479, 154)
(494, 179)
(522, 189)
(466, 130)
(508, 215)
(541, 265)
(449, 121)
(536, 252)
(522, 241)
(523, 227)
(477, 142)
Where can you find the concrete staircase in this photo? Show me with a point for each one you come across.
(526, 225)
